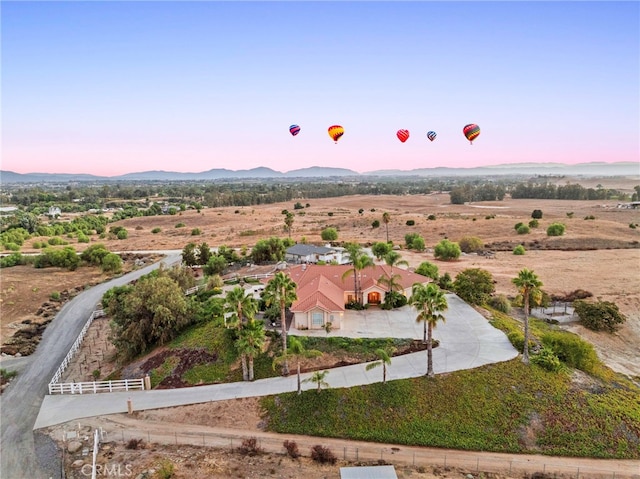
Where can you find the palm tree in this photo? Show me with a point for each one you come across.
(281, 290)
(430, 301)
(359, 260)
(528, 284)
(296, 350)
(318, 378)
(393, 258)
(288, 222)
(386, 218)
(249, 343)
(384, 360)
(239, 305)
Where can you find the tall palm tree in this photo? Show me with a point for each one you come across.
(386, 218)
(430, 301)
(296, 350)
(528, 284)
(281, 290)
(250, 341)
(384, 360)
(359, 261)
(239, 305)
(393, 258)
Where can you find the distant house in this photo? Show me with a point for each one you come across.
(54, 211)
(322, 293)
(312, 254)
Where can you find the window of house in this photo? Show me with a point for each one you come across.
(317, 318)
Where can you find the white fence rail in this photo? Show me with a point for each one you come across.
(56, 387)
(74, 349)
(92, 387)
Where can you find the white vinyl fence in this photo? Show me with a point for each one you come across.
(56, 387)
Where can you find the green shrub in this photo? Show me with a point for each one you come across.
(13, 259)
(501, 303)
(427, 269)
(523, 230)
(375, 224)
(179, 225)
(111, 263)
(517, 225)
(410, 223)
(633, 226)
(599, 316)
(195, 232)
(56, 241)
(54, 296)
(536, 214)
(555, 229)
(589, 217)
(156, 230)
(547, 359)
(330, 213)
(519, 250)
(329, 234)
(431, 217)
(122, 234)
(470, 244)
(571, 350)
(534, 224)
(447, 250)
(11, 246)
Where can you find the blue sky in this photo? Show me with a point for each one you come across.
(114, 87)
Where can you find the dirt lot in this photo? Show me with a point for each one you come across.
(610, 273)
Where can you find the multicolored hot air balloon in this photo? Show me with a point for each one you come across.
(471, 131)
(431, 135)
(336, 132)
(403, 135)
(294, 130)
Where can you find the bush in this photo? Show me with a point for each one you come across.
(470, 244)
(323, 455)
(517, 226)
(447, 250)
(546, 359)
(599, 316)
(196, 232)
(445, 282)
(179, 225)
(474, 285)
(571, 350)
(501, 303)
(111, 263)
(534, 224)
(122, 234)
(523, 230)
(410, 223)
(519, 250)
(431, 217)
(537, 214)
(555, 229)
(427, 269)
(134, 443)
(375, 224)
(590, 217)
(250, 447)
(13, 259)
(329, 234)
(330, 213)
(156, 230)
(55, 296)
(292, 449)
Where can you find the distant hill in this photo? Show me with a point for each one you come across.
(535, 169)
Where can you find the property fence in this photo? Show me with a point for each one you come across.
(97, 386)
(468, 461)
(74, 348)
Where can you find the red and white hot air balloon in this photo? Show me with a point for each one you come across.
(403, 135)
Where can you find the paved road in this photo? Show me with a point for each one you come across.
(21, 401)
(467, 341)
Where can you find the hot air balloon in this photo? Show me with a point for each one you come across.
(471, 131)
(431, 135)
(294, 129)
(336, 132)
(403, 135)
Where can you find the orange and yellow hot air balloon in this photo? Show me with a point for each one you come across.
(336, 132)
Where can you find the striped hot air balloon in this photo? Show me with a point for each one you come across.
(403, 135)
(294, 130)
(471, 131)
(336, 132)
(431, 135)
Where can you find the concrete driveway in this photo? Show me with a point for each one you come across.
(467, 341)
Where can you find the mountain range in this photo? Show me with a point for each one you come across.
(537, 169)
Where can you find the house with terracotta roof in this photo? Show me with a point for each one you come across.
(323, 293)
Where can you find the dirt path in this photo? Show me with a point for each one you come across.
(121, 428)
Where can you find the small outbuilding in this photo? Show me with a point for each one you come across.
(368, 472)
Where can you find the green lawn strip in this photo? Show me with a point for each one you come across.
(487, 409)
